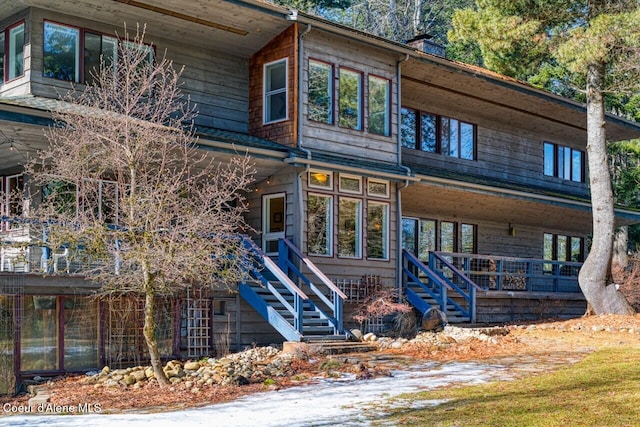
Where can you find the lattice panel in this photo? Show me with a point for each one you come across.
(195, 330)
(11, 290)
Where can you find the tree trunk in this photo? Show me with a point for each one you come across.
(621, 246)
(149, 331)
(595, 275)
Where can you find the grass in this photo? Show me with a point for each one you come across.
(601, 390)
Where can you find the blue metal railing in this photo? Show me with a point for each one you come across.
(330, 295)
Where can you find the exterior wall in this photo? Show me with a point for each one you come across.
(331, 138)
(503, 151)
(504, 307)
(21, 85)
(283, 46)
(216, 82)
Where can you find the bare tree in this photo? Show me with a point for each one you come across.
(128, 192)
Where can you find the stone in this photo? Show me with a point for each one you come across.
(191, 366)
(433, 320)
(357, 334)
(139, 375)
(149, 373)
(129, 380)
(396, 345)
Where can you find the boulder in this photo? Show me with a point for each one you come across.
(191, 366)
(434, 320)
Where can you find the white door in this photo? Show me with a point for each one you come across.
(273, 221)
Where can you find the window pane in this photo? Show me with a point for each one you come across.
(547, 251)
(350, 184)
(378, 105)
(2, 52)
(320, 179)
(467, 236)
(350, 99)
(576, 167)
(467, 141)
(92, 48)
(377, 188)
(549, 159)
(567, 163)
(427, 239)
(39, 334)
(408, 128)
(16, 52)
(454, 149)
(349, 228)
(561, 248)
(560, 163)
(447, 236)
(275, 100)
(319, 225)
(409, 233)
(320, 92)
(428, 128)
(61, 52)
(377, 234)
(80, 333)
(576, 249)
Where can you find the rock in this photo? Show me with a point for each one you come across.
(149, 373)
(370, 337)
(191, 366)
(105, 370)
(597, 328)
(433, 320)
(129, 380)
(139, 375)
(396, 345)
(357, 334)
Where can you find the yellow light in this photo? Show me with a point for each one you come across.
(320, 177)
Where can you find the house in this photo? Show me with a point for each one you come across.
(378, 164)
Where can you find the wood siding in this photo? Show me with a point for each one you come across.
(20, 86)
(331, 138)
(283, 46)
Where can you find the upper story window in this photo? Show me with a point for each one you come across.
(12, 52)
(379, 105)
(438, 134)
(563, 162)
(275, 91)
(320, 92)
(350, 104)
(64, 60)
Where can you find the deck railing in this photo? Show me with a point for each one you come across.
(499, 273)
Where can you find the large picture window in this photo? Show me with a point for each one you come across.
(12, 52)
(349, 228)
(319, 224)
(350, 112)
(379, 105)
(563, 162)
(61, 52)
(438, 134)
(421, 236)
(275, 91)
(320, 92)
(377, 230)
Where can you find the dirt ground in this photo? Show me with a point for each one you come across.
(528, 347)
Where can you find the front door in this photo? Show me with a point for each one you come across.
(273, 217)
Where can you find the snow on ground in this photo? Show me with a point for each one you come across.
(342, 401)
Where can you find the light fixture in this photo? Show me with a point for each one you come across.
(512, 230)
(269, 179)
(11, 146)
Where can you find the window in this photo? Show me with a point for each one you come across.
(273, 221)
(378, 230)
(379, 105)
(12, 52)
(320, 179)
(563, 162)
(350, 184)
(320, 92)
(438, 134)
(377, 188)
(420, 236)
(319, 208)
(275, 91)
(349, 228)
(563, 248)
(61, 52)
(96, 48)
(350, 104)
(11, 198)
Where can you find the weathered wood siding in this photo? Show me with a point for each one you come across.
(283, 46)
(504, 152)
(216, 82)
(331, 138)
(503, 307)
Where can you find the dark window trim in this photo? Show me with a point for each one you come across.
(6, 32)
(389, 104)
(360, 101)
(332, 79)
(556, 160)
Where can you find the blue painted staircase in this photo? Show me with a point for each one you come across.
(273, 291)
(441, 285)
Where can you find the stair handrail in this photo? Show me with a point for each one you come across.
(456, 271)
(274, 269)
(314, 269)
(426, 270)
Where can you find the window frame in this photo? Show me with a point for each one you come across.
(330, 89)
(328, 226)
(352, 177)
(78, 51)
(359, 101)
(387, 105)
(559, 162)
(9, 62)
(384, 231)
(358, 232)
(266, 119)
(386, 183)
(328, 187)
(85, 72)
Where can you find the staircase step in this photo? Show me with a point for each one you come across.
(338, 347)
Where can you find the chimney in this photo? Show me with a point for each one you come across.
(425, 43)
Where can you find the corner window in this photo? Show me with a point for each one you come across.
(275, 91)
(438, 134)
(319, 208)
(12, 52)
(378, 231)
(349, 228)
(320, 106)
(61, 52)
(96, 48)
(379, 105)
(563, 162)
(350, 104)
